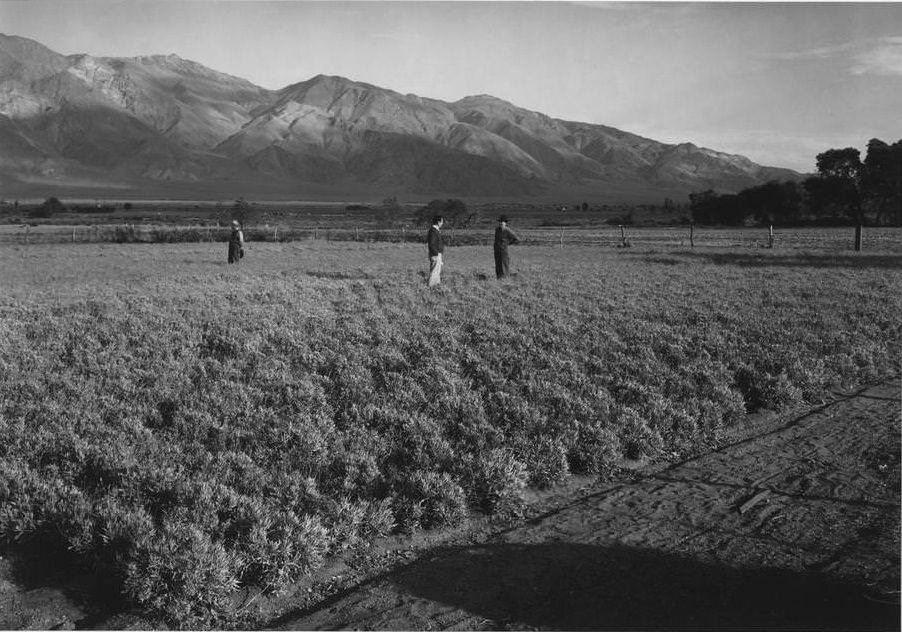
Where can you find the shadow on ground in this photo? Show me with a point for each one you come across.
(340, 275)
(770, 259)
(565, 586)
(55, 586)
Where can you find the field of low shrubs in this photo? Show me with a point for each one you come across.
(188, 427)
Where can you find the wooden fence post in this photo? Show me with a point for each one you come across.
(770, 236)
(623, 240)
(858, 238)
(692, 235)
(562, 238)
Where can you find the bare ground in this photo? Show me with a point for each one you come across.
(793, 524)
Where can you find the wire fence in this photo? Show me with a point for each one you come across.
(827, 238)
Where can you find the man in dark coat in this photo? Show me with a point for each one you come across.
(236, 243)
(504, 236)
(436, 246)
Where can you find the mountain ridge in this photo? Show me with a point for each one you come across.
(161, 122)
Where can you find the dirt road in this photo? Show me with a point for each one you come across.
(794, 525)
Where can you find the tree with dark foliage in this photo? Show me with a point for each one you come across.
(846, 190)
(843, 167)
(50, 206)
(881, 181)
(773, 202)
(709, 207)
(455, 213)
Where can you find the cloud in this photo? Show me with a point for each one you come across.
(883, 59)
(817, 52)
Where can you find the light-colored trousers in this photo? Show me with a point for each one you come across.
(435, 270)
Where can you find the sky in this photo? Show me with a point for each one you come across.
(776, 82)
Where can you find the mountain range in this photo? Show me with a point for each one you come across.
(163, 126)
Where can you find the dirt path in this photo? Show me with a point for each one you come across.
(788, 527)
(794, 524)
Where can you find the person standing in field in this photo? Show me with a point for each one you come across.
(236, 243)
(504, 236)
(435, 244)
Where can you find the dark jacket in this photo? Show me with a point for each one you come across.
(503, 237)
(435, 241)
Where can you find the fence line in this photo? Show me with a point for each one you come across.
(881, 238)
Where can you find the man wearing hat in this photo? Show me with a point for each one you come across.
(504, 236)
(236, 243)
(435, 246)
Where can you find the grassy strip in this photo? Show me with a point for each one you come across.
(195, 428)
(876, 239)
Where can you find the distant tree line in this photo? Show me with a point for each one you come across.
(845, 191)
(455, 213)
(52, 205)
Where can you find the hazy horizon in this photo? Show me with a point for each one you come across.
(776, 82)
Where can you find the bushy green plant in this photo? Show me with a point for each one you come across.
(281, 547)
(496, 481)
(595, 450)
(545, 459)
(182, 575)
(428, 499)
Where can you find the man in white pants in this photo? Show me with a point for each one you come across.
(436, 246)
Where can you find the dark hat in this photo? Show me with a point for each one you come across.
(503, 218)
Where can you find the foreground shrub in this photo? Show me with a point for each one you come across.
(545, 459)
(496, 482)
(636, 436)
(181, 574)
(427, 500)
(762, 389)
(596, 450)
(282, 548)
